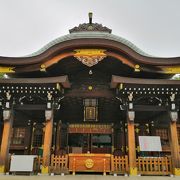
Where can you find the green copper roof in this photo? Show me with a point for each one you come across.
(94, 34)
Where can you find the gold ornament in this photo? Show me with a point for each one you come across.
(137, 68)
(89, 163)
(90, 57)
(90, 88)
(7, 69)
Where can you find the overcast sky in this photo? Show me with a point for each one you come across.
(152, 25)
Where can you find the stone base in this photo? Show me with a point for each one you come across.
(133, 171)
(177, 171)
(45, 170)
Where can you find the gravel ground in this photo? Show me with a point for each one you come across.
(86, 177)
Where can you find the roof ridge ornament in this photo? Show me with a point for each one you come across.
(90, 26)
(90, 17)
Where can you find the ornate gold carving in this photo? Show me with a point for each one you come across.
(90, 57)
(90, 27)
(137, 68)
(7, 69)
(171, 70)
(90, 113)
(89, 163)
(43, 67)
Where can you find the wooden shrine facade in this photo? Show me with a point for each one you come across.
(55, 137)
(81, 103)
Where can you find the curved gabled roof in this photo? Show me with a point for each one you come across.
(89, 39)
(89, 35)
(92, 35)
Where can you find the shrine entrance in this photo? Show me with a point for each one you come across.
(90, 138)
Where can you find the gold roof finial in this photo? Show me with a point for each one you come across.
(90, 17)
(90, 26)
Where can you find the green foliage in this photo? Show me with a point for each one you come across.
(1, 75)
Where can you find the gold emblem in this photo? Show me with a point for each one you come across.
(89, 163)
(90, 57)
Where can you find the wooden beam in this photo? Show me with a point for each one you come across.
(174, 148)
(38, 81)
(150, 108)
(147, 108)
(47, 145)
(86, 93)
(115, 80)
(30, 107)
(132, 149)
(5, 144)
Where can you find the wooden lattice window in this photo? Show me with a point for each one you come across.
(163, 133)
(18, 136)
(38, 137)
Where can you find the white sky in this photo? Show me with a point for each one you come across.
(152, 25)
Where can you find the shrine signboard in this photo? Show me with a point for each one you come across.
(150, 143)
(22, 163)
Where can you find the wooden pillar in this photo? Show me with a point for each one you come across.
(131, 144)
(5, 143)
(58, 137)
(174, 148)
(47, 142)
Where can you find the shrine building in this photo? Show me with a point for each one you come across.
(91, 101)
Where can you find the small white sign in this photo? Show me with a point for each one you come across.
(150, 143)
(22, 163)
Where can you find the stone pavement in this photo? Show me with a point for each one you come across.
(86, 177)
